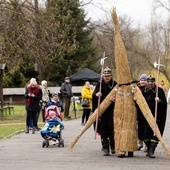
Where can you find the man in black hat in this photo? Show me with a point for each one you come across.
(105, 122)
(152, 94)
(66, 92)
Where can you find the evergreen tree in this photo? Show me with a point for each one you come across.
(74, 32)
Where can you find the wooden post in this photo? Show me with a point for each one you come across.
(2, 66)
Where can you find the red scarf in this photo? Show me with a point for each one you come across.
(32, 90)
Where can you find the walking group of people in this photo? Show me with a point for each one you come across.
(153, 95)
(38, 98)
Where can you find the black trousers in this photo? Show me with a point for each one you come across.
(67, 102)
(31, 115)
(85, 115)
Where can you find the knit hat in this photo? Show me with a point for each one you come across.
(143, 76)
(107, 72)
(151, 80)
(55, 94)
(33, 81)
(43, 82)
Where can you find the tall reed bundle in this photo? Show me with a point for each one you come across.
(125, 118)
(125, 121)
(122, 67)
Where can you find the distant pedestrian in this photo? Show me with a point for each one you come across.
(45, 97)
(86, 94)
(164, 87)
(66, 91)
(33, 95)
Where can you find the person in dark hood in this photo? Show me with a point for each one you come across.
(152, 94)
(105, 122)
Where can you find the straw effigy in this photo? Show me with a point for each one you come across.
(125, 121)
(125, 118)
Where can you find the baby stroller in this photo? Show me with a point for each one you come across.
(52, 130)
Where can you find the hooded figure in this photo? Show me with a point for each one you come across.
(149, 93)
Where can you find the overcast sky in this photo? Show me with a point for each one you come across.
(138, 10)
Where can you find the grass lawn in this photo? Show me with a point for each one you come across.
(15, 123)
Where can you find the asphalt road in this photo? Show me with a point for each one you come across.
(25, 152)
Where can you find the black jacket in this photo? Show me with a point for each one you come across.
(66, 90)
(149, 95)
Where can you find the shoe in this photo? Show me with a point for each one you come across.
(121, 155)
(130, 154)
(33, 130)
(68, 117)
(151, 155)
(145, 149)
(82, 124)
(27, 130)
(37, 129)
(140, 147)
(113, 151)
(106, 152)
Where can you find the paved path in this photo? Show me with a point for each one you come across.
(24, 152)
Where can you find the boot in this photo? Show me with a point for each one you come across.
(140, 145)
(151, 150)
(130, 154)
(33, 130)
(147, 143)
(105, 147)
(121, 155)
(112, 144)
(27, 130)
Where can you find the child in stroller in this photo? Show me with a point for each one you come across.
(53, 126)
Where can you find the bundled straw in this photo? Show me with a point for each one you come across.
(149, 117)
(122, 68)
(125, 119)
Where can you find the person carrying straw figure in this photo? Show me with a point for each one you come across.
(105, 122)
(125, 117)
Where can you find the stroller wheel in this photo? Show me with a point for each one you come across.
(43, 143)
(62, 143)
(47, 143)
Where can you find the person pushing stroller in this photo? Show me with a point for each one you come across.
(53, 126)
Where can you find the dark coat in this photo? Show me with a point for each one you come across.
(149, 95)
(66, 90)
(33, 103)
(106, 120)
